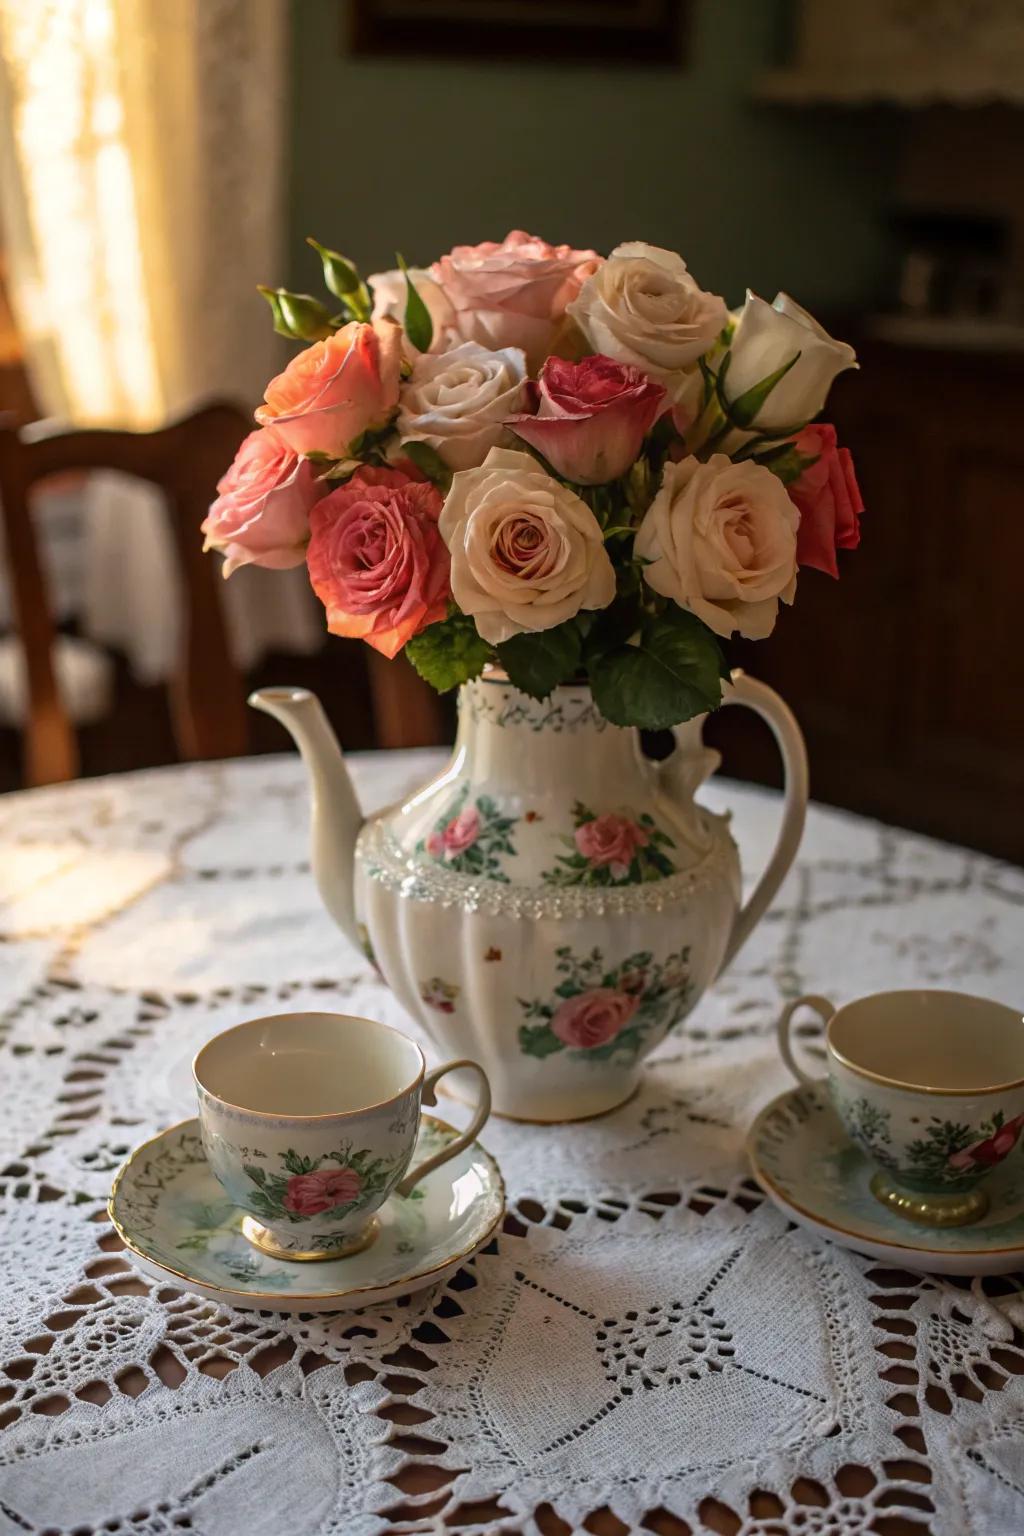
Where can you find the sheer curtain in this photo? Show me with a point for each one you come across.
(141, 178)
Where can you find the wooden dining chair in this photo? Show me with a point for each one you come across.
(185, 461)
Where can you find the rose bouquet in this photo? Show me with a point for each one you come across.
(561, 464)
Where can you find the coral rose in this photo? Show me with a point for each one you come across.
(527, 553)
(721, 541)
(513, 294)
(593, 1018)
(592, 417)
(828, 498)
(376, 558)
(309, 1194)
(337, 389)
(611, 841)
(261, 515)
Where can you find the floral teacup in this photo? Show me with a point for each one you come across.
(931, 1086)
(309, 1121)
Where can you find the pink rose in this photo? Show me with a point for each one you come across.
(461, 832)
(592, 418)
(336, 389)
(992, 1150)
(829, 500)
(376, 559)
(611, 840)
(593, 1018)
(261, 515)
(308, 1194)
(513, 294)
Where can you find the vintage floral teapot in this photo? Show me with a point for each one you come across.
(553, 902)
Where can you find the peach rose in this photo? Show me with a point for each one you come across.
(721, 541)
(335, 390)
(310, 1194)
(611, 840)
(513, 294)
(527, 553)
(376, 558)
(593, 1018)
(261, 515)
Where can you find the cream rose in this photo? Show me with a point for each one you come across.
(721, 539)
(767, 336)
(526, 552)
(457, 403)
(643, 307)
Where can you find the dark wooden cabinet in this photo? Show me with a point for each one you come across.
(907, 674)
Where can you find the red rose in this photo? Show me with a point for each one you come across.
(308, 1194)
(828, 498)
(993, 1149)
(592, 417)
(376, 558)
(593, 1018)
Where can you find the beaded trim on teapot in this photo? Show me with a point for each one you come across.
(383, 860)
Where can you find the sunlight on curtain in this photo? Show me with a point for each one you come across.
(141, 160)
(76, 241)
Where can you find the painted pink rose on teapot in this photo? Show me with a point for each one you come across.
(309, 1194)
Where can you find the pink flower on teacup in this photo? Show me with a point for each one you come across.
(593, 1018)
(611, 840)
(309, 1194)
(992, 1149)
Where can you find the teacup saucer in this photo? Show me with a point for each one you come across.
(804, 1161)
(180, 1226)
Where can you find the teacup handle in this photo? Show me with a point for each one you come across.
(469, 1135)
(823, 1008)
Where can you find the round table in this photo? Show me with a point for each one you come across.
(776, 1383)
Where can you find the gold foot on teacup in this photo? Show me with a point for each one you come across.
(262, 1239)
(930, 1210)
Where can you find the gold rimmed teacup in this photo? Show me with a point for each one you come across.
(309, 1121)
(930, 1084)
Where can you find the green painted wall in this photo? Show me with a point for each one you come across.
(393, 154)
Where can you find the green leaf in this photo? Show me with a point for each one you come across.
(298, 316)
(674, 673)
(430, 463)
(744, 410)
(786, 462)
(449, 653)
(418, 325)
(539, 661)
(538, 1040)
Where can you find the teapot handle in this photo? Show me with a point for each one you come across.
(765, 702)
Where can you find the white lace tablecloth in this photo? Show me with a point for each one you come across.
(647, 1346)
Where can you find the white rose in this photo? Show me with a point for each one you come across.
(643, 307)
(457, 402)
(722, 541)
(389, 296)
(526, 552)
(766, 337)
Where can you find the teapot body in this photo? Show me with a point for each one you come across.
(552, 903)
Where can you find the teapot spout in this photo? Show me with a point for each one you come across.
(336, 817)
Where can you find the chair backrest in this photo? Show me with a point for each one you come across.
(185, 461)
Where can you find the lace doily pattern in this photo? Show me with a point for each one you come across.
(646, 1346)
